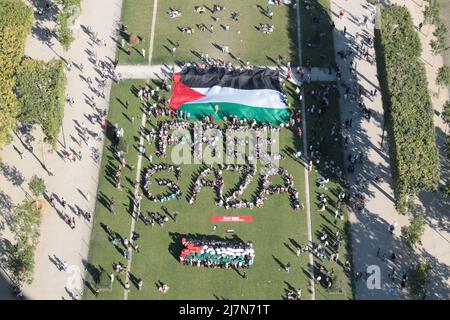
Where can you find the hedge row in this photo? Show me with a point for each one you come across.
(408, 107)
(40, 88)
(16, 20)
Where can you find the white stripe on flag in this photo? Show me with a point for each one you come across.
(258, 98)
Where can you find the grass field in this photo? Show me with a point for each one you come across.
(245, 42)
(330, 150)
(137, 16)
(243, 39)
(275, 231)
(317, 38)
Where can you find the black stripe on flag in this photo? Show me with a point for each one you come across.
(256, 78)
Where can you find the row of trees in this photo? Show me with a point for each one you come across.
(16, 20)
(409, 111)
(69, 13)
(432, 16)
(40, 88)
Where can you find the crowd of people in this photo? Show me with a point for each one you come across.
(249, 171)
(223, 254)
(174, 191)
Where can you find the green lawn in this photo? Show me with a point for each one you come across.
(274, 231)
(330, 150)
(137, 16)
(276, 228)
(243, 39)
(317, 49)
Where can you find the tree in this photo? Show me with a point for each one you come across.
(37, 186)
(25, 226)
(431, 12)
(70, 10)
(443, 76)
(414, 231)
(16, 20)
(26, 223)
(447, 147)
(446, 112)
(20, 263)
(418, 279)
(446, 190)
(41, 91)
(439, 44)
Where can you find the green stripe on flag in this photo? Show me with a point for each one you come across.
(199, 111)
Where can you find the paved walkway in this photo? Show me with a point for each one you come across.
(77, 181)
(369, 228)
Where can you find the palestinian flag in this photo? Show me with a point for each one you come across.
(251, 94)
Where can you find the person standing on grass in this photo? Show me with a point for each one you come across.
(287, 268)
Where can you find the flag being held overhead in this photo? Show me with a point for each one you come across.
(251, 94)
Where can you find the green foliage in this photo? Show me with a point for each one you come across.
(70, 9)
(432, 16)
(431, 12)
(37, 186)
(40, 88)
(65, 36)
(443, 76)
(447, 147)
(418, 278)
(446, 190)
(439, 44)
(446, 112)
(25, 229)
(20, 263)
(408, 107)
(16, 20)
(414, 231)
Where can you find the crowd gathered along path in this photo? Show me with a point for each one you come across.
(73, 181)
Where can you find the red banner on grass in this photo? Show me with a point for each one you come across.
(232, 218)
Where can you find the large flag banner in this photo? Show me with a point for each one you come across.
(251, 94)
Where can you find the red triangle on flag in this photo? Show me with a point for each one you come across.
(182, 94)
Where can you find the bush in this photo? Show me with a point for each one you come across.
(414, 231)
(408, 107)
(40, 88)
(418, 279)
(37, 186)
(16, 20)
